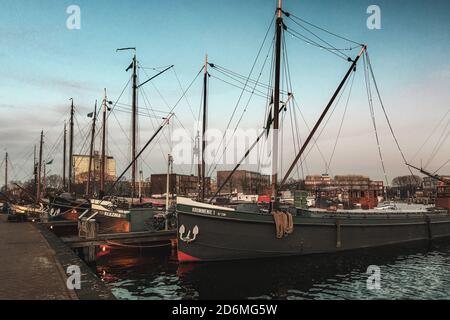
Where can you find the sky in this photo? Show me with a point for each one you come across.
(44, 64)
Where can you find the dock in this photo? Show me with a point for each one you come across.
(155, 238)
(33, 263)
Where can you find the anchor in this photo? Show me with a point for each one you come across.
(188, 238)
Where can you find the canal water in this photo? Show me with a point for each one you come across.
(413, 272)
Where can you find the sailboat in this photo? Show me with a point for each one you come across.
(208, 232)
(118, 214)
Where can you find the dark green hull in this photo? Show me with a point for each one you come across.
(230, 235)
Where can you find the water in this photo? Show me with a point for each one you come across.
(418, 272)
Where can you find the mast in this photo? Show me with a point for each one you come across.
(6, 172)
(103, 159)
(322, 116)
(141, 177)
(91, 151)
(276, 101)
(38, 193)
(134, 129)
(169, 165)
(429, 174)
(69, 188)
(44, 183)
(205, 104)
(199, 164)
(64, 156)
(35, 171)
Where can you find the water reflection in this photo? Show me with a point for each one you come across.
(407, 272)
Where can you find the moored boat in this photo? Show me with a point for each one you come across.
(209, 232)
(212, 233)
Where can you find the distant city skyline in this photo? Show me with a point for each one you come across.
(44, 64)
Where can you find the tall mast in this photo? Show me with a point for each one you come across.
(44, 183)
(205, 105)
(169, 165)
(91, 152)
(69, 188)
(38, 192)
(103, 160)
(199, 164)
(324, 113)
(141, 177)
(6, 172)
(64, 156)
(134, 129)
(35, 171)
(276, 100)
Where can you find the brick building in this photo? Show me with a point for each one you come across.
(347, 189)
(243, 181)
(182, 185)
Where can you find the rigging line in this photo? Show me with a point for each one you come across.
(181, 90)
(154, 68)
(118, 99)
(244, 110)
(372, 113)
(128, 107)
(431, 134)
(322, 29)
(300, 142)
(55, 144)
(249, 75)
(315, 35)
(120, 126)
(316, 44)
(313, 43)
(181, 124)
(385, 113)
(232, 74)
(342, 121)
(289, 84)
(145, 115)
(445, 163)
(157, 90)
(314, 139)
(259, 94)
(439, 144)
(182, 96)
(117, 146)
(146, 99)
(24, 156)
(237, 77)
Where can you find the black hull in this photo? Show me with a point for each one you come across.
(135, 220)
(62, 208)
(248, 236)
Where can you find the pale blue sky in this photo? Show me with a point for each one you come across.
(43, 64)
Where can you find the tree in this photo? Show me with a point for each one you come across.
(407, 181)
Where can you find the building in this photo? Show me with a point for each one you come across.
(243, 181)
(317, 181)
(347, 189)
(182, 185)
(81, 167)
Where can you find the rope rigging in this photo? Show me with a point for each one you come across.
(385, 113)
(342, 122)
(242, 92)
(372, 113)
(431, 134)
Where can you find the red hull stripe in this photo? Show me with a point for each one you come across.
(183, 257)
